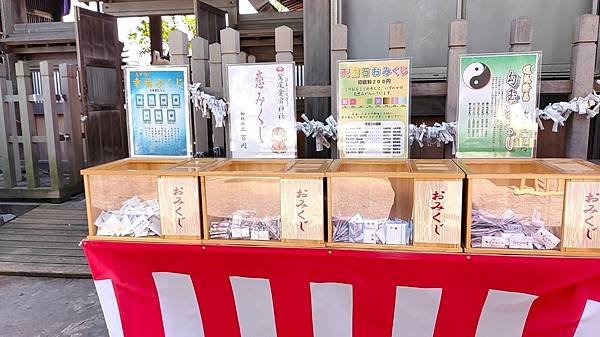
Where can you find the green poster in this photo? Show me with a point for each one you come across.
(497, 105)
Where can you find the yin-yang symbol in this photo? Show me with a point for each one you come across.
(477, 75)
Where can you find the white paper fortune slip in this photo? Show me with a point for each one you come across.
(494, 242)
(135, 218)
(546, 237)
(520, 242)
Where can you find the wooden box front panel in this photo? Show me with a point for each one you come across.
(228, 195)
(108, 192)
(525, 197)
(302, 212)
(437, 211)
(179, 201)
(582, 219)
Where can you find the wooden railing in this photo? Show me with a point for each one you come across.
(23, 138)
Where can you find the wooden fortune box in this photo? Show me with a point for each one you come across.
(513, 206)
(395, 204)
(265, 202)
(169, 187)
(581, 220)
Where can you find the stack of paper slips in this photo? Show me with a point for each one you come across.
(243, 227)
(357, 229)
(135, 218)
(511, 230)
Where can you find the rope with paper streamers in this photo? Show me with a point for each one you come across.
(560, 112)
(207, 104)
(435, 135)
(319, 131)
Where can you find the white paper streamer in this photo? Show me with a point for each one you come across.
(206, 104)
(560, 112)
(437, 134)
(319, 131)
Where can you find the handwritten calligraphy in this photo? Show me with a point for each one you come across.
(590, 211)
(301, 206)
(437, 207)
(178, 204)
(259, 84)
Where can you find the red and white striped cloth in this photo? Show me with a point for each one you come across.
(216, 291)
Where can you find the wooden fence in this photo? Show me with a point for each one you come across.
(207, 65)
(25, 138)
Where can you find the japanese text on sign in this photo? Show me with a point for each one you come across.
(373, 108)
(262, 110)
(497, 105)
(158, 111)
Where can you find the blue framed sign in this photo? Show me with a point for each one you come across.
(158, 111)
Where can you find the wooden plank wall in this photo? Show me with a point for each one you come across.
(59, 140)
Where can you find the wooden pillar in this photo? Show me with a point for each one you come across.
(284, 44)
(457, 45)
(51, 124)
(397, 40)
(230, 54)
(72, 119)
(178, 47)
(317, 59)
(520, 34)
(7, 155)
(24, 89)
(214, 66)
(583, 58)
(216, 88)
(155, 27)
(339, 52)
(199, 66)
(243, 57)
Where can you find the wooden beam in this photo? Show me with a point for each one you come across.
(284, 46)
(72, 120)
(520, 34)
(457, 45)
(583, 58)
(51, 124)
(317, 59)
(7, 155)
(24, 88)
(156, 41)
(144, 8)
(397, 40)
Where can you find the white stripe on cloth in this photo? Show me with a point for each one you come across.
(254, 306)
(178, 305)
(110, 309)
(589, 325)
(504, 314)
(416, 311)
(331, 309)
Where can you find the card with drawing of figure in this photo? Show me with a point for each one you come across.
(262, 112)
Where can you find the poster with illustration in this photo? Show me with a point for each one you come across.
(262, 110)
(373, 104)
(158, 111)
(498, 96)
